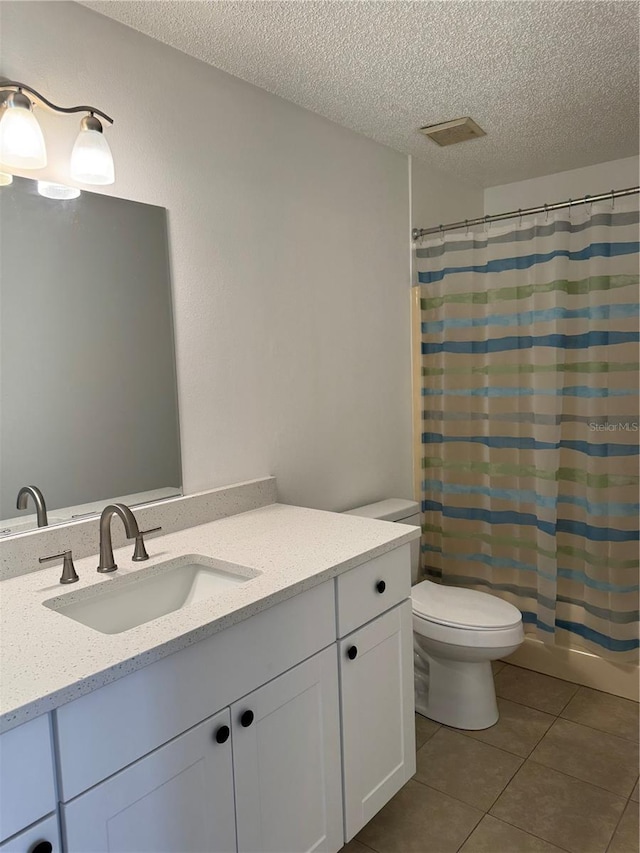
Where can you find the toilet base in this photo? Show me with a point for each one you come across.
(460, 694)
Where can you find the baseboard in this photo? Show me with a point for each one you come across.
(579, 667)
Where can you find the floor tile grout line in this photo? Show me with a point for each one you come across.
(447, 794)
(488, 810)
(615, 829)
(621, 799)
(569, 700)
(504, 788)
(568, 775)
(559, 716)
(577, 779)
(524, 705)
(502, 748)
(468, 836)
(368, 846)
(477, 740)
(597, 731)
(577, 686)
(480, 808)
(528, 832)
(600, 731)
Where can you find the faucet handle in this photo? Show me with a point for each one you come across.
(69, 574)
(140, 552)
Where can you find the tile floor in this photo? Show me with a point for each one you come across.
(558, 772)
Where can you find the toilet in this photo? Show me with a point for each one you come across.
(457, 632)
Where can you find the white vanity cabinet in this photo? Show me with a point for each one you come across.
(178, 798)
(376, 684)
(378, 734)
(283, 733)
(27, 790)
(110, 728)
(40, 837)
(286, 753)
(278, 750)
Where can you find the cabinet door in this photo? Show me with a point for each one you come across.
(42, 837)
(27, 790)
(378, 735)
(178, 799)
(286, 758)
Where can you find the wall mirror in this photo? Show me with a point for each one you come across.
(88, 397)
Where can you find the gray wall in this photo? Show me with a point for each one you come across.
(87, 373)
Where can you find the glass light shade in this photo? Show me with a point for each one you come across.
(60, 192)
(91, 159)
(21, 140)
(5, 179)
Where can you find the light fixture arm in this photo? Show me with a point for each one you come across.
(7, 85)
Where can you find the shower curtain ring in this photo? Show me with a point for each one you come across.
(486, 220)
(546, 212)
(519, 217)
(570, 206)
(613, 200)
(588, 204)
(466, 226)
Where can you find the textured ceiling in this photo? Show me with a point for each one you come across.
(554, 84)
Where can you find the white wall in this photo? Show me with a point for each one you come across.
(591, 180)
(289, 249)
(437, 199)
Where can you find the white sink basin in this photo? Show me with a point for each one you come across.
(123, 603)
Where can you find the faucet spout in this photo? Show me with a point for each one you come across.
(107, 562)
(38, 499)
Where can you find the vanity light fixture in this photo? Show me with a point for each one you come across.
(5, 179)
(59, 192)
(22, 143)
(21, 140)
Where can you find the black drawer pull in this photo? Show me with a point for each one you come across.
(41, 847)
(352, 652)
(246, 718)
(222, 734)
(381, 586)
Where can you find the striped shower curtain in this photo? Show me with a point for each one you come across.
(529, 433)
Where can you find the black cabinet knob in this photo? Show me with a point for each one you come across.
(222, 734)
(246, 718)
(41, 847)
(381, 586)
(352, 652)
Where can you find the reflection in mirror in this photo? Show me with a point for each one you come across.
(88, 400)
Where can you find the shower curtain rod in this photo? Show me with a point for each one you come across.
(416, 233)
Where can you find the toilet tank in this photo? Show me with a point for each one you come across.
(396, 509)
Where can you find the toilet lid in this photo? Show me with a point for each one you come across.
(462, 608)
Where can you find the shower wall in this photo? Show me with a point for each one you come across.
(601, 178)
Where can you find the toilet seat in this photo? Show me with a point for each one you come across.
(462, 608)
(464, 617)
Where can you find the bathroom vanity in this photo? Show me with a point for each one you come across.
(250, 686)
(275, 716)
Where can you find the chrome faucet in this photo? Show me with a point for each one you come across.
(38, 499)
(107, 562)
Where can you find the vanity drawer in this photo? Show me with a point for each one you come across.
(367, 591)
(26, 775)
(30, 840)
(102, 732)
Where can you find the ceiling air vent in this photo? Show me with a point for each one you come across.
(452, 132)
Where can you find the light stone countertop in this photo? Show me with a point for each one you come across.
(48, 659)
